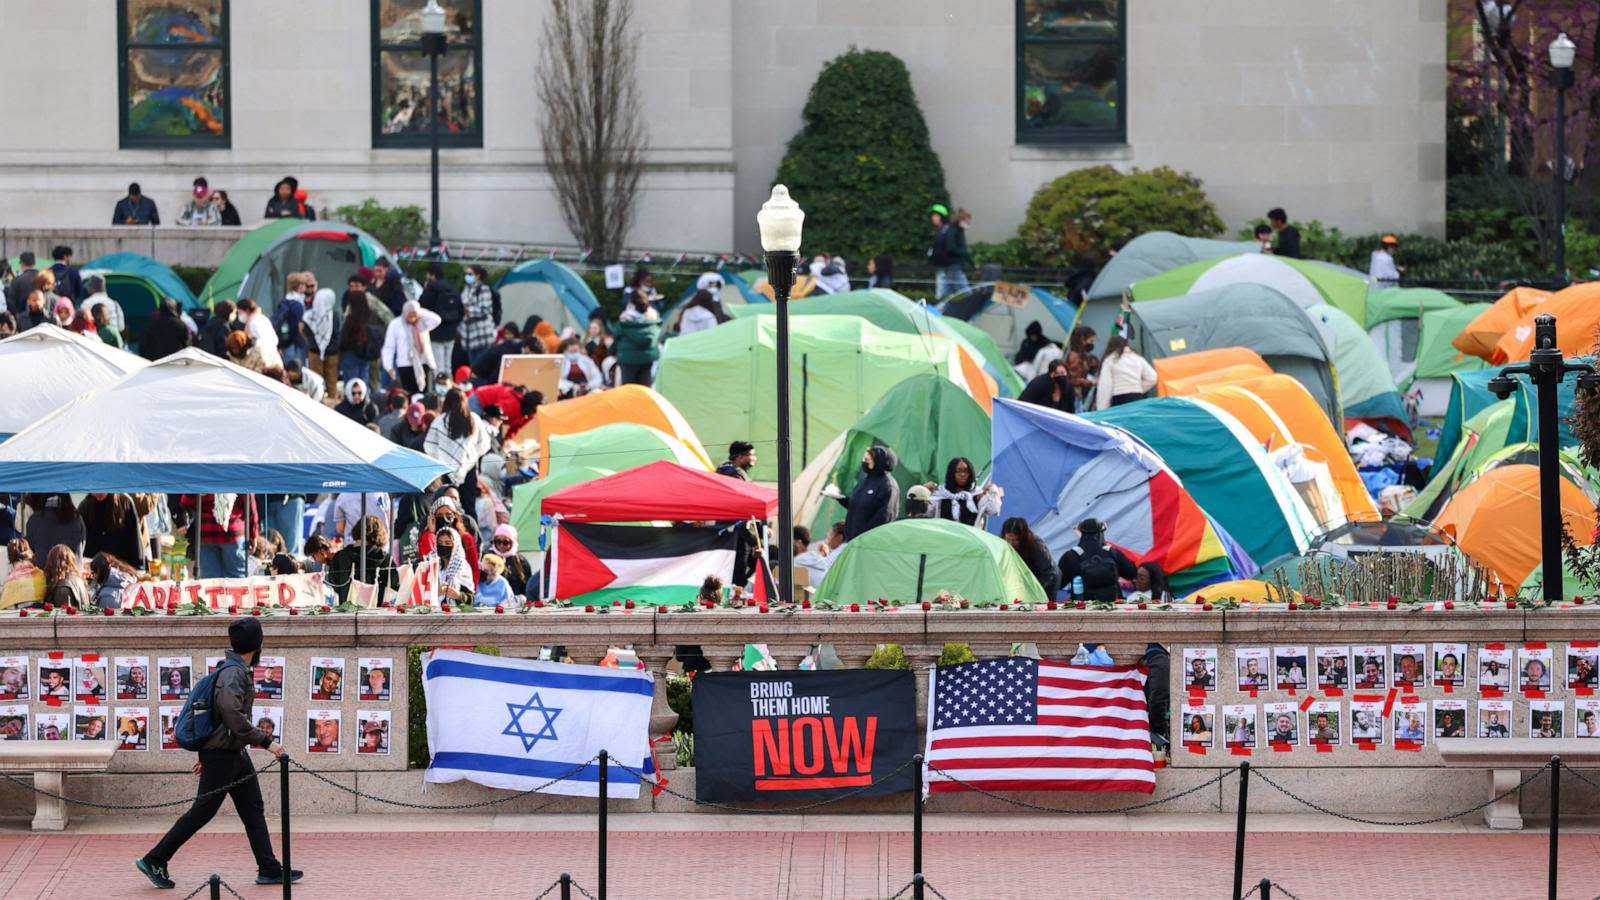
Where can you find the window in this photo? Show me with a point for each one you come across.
(172, 73)
(401, 107)
(1072, 71)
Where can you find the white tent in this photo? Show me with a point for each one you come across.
(193, 423)
(45, 367)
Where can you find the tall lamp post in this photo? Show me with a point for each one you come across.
(780, 220)
(1547, 368)
(433, 44)
(1562, 53)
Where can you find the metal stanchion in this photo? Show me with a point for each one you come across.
(1555, 819)
(1238, 839)
(566, 886)
(916, 832)
(601, 892)
(215, 884)
(1266, 889)
(283, 812)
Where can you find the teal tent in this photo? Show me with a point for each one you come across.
(549, 290)
(138, 284)
(1469, 395)
(1147, 255)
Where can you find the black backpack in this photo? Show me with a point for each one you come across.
(939, 254)
(1098, 570)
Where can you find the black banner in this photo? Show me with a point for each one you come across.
(803, 735)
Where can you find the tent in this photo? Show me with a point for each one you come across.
(665, 492)
(1437, 358)
(1495, 520)
(1246, 590)
(1577, 312)
(927, 420)
(1007, 323)
(193, 423)
(45, 367)
(1394, 322)
(1303, 281)
(912, 560)
(618, 446)
(139, 284)
(1479, 437)
(332, 250)
(1146, 256)
(1243, 315)
(1058, 469)
(1485, 330)
(1223, 468)
(1366, 388)
(628, 403)
(1470, 394)
(723, 379)
(891, 311)
(1185, 374)
(549, 290)
(527, 500)
(996, 363)
(736, 292)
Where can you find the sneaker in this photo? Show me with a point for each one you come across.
(277, 878)
(156, 874)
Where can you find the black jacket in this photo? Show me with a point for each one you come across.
(1038, 392)
(1288, 243)
(289, 209)
(123, 543)
(439, 297)
(486, 365)
(876, 498)
(68, 283)
(143, 212)
(363, 413)
(402, 434)
(214, 335)
(166, 334)
(18, 290)
(730, 470)
(392, 295)
(234, 712)
(1037, 558)
(1071, 565)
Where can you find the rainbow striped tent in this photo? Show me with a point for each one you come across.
(1058, 469)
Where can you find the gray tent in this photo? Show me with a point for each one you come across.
(1243, 315)
(1148, 254)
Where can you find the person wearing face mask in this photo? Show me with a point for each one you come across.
(477, 323)
(445, 525)
(876, 498)
(579, 374)
(1052, 390)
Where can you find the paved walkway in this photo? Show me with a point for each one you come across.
(819, 858)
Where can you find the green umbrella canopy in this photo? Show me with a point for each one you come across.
(1302, 281)
(946, 423)
(1406, 303)
(890, 561)
(617, 446)
(528, 498)
(723, 379)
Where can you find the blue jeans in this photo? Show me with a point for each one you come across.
(291, 351)
(352, 365)
(221, 560)
(949, 280)
(289, 518)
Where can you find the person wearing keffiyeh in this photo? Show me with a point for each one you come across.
(455, 570)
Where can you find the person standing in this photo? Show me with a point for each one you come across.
(21, 285)
(166, 333)
(960, 498)
(259, 326)
(407, 348)
(225, 768)
(321, 325)
(1288, 244)
(876, 498)
(1125, 376)
(439, 298)
(290, 313)
(221, 521)
(95, 286)
(741, 458)
(459, 439)
(135, 209)
(1382, 269)
(68, 283)
(477, 301)
(638, 340)
(385, 285)
(1097, 562)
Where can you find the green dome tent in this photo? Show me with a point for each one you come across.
(617, 446)
(912, 560)
(1366, 390)
(1307, 282)
(549, 290)
(1146, 256)
(1394, 321)
(138, 284)
(1008, 323)
(722, 379)
(259, 264)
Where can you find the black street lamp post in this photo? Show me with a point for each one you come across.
(780, 220)
(433, 44)
(1546, 368)
(1562, 54)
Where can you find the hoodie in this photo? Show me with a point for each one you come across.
(876, 498)
(363, 413)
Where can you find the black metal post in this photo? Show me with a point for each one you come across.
(434, 46)
(215, 884)
(1238, 838)
(566, 886)
(780, 274)
(1555, 819)
(283, 813)
(1266, 889)
(604, 758)
(1562, 79)
(916, 832)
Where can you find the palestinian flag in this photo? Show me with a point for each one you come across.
(601, 563)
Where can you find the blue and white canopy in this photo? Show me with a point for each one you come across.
(45, 367)
(193, 423)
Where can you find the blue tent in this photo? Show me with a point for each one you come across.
(192, 423)
(550, 290)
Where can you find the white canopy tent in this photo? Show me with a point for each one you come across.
(45, 367)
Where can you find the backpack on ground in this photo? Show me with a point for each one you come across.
(197, 720)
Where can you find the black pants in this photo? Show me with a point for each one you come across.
(408, 379)
(219, 768)
(1120, 399)
(627, 374)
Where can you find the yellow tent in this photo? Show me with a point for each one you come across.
(629, 403)
(1577, 312)
(1193, 370)
(1482, 333)
(1246, 591)
(1495, 520)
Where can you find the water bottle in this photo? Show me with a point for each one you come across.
(1077, 586)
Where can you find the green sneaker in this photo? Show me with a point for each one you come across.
(264, 878)
(156, 874)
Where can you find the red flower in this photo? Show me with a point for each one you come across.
(761, 608)
(48, 606)
(963, 603)
(110, 612)
(499, 608)
(1050, 604)
(172, 610)
(927, 605)
(855, 607)
(805, 603)
(256, 611)
(1511, 604)
(1393, 603)
(294, 610)
(1005, 606)
(588, 607)
(22, 613)
(1449, 604)
(1142, 606)
(1082, 605)
(661, 610)
(628, 605)
(538, 603)
(72, 610)
(1293, 605)
(1206, 607)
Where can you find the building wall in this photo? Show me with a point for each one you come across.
(1332, 110)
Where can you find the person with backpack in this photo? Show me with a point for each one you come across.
(948, 254)
(217, 721)
(291, 311)
(439, 298)
(1096, 562)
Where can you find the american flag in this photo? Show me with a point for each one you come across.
(1022, 724)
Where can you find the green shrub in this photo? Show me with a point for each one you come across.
(1430, 259)
(1009, 254)
(862, 166)
(1583, 252)
(888, 656)
(1091, 212)
(395, 226)
(954, 654)
(680, 696)
(194, 276)
(417, 756)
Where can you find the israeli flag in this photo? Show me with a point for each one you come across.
(520, 724)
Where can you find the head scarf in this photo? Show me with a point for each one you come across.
(319, 318)
(63, 305)
(350, 388)
(414, 415)
(506, 531)
(455, 571)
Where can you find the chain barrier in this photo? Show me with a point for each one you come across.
(135, 806)
(1579, 775)
(220, 883)
(926, 885)
(1277, 890)
(643, 778)
(1537, 773)
(495, 801)
(1084, 812)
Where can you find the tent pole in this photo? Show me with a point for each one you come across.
(194, 529)
(363, 537)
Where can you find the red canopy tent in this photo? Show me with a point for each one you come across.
(662, 491)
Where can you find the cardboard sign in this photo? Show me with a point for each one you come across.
(1014, 295)
(615, 278)
(225, 593)
(535, 371)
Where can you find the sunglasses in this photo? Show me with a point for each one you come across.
(502, 542)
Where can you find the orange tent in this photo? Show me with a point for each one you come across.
(629, 403)
(1482, 333)
(1495, 520)
(1206, 367)
(1278, 410)
(1183, 387)
(1577, 312)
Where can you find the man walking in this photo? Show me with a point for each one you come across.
(223, 764)
(439, 298)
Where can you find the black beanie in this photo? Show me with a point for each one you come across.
(244, 636)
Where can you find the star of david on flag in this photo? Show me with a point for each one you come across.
(493, 720)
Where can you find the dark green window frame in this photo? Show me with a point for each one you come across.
(1039, 135)
(471, 139)
(127, 141)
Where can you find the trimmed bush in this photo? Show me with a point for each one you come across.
(862, 166)
(954, 654)
(395, 226)
(888, 656)
(1093, 211)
